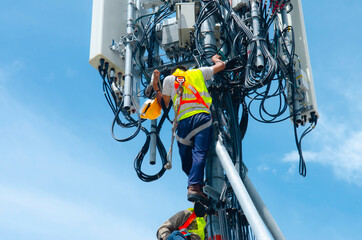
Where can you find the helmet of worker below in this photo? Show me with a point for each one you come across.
(151, 109)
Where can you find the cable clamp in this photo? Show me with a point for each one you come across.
(153, 132)
(257, 38)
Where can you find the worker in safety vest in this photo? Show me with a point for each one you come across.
(191, 101)
(183, 225)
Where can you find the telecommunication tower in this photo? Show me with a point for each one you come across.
(264, 45)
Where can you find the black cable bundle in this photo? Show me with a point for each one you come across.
(128, 125)
(140, 157)
(160, 147)
(205, 51)
(146, 39)
(242, 79)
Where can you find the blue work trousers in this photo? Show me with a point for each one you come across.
(193, 158)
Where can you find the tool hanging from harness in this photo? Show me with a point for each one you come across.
(200, 225)
(174, 124)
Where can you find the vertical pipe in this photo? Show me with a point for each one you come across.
(252, 215)
(259, 63)
(207, 31)
(225, 47)
(153, 142)
(263, 210)
(214, 172)
(128, 59)
(138, 7)
(286, 34)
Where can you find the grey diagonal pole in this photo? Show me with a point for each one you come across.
(263, 211)
(251, 213)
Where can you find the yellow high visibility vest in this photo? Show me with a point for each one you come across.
(195, 97)
(200, 225)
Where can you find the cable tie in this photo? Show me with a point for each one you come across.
(153, 132)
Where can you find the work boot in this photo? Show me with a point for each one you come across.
(195, 193)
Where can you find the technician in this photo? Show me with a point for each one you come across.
(191, 102)
(183, 225)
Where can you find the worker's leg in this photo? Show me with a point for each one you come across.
(186, 157)
(202, 142)
(184, 127)
(193, 158)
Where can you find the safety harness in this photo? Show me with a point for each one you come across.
(200, 222)
(183, 228)
(180, 82)
(195, 98)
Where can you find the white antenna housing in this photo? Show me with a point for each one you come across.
(301, 49)
(109, 23)
(306, 103)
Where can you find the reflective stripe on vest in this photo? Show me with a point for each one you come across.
(195, 97)
(200, 223)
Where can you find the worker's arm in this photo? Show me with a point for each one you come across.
(156, 87)
(172, 224)
(219, 64)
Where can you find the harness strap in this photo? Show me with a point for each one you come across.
(196, 93)
(187, 140)
(199, 99)
(183, 228)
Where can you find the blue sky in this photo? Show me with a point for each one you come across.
(62, 176)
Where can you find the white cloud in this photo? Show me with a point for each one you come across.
(339, 147)
(263, 168)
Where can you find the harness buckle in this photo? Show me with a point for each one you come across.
(180, 79)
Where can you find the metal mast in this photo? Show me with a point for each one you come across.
(264, 44)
